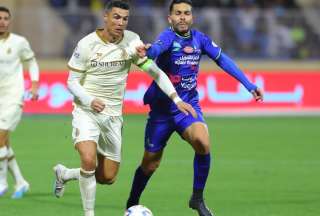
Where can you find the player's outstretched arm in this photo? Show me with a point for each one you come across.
(79, 92)
(34, 76)
(229, 66)
(257, 94)
(166, 86)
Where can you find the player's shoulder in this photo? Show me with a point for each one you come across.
(168, 33)
(198, 34)
(16, 38)
(130, 36)
(88, 38)
(88, 41)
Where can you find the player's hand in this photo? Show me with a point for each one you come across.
(142, 50)
(257, 94)
(186, 109)
(97, 105)
(34, 91)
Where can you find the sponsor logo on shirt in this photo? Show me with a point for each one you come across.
(188, 60)
(9, 51)
(95, 63)
(188, 49)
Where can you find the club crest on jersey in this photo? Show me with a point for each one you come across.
(176, 46)
(188, 49)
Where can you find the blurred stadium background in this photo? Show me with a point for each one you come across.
(263, 166)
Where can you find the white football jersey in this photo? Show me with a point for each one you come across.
(14, 50)
(105, 67)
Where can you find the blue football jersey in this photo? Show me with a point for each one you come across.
(179, 57)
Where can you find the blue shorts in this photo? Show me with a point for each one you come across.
(160, 127)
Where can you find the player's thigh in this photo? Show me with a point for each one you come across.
(10, 115)
(107, 169)
(110, 140)
(87, 151)
(85, 135)
(84, 127)
(198, 136)
(4, 137)
(157, 134)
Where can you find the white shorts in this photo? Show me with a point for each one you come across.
(103, 129)
(10, 115)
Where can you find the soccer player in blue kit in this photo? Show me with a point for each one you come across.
(178, 51)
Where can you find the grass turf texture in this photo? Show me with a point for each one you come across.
(261, 167)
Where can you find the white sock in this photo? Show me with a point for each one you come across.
(14, 167)
(71, 174)
(89, 213)
(87, 183)
(3, 165)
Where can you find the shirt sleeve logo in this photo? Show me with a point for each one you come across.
(76, 53)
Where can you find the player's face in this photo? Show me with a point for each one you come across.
(181, 18)
(4, 22)
(116, 21)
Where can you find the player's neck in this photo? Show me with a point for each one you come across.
(4, 35)
(182, 34)
(107, 37)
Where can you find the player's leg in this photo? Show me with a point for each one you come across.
(150, 162)
(10, 118)
(3, 161)
(87, 180)
(109, 149)
(21, 185)
(156, 136)
(85, 135)
(195, 132)
(107, 170)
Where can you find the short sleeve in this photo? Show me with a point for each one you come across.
(79, 58)
(26, 52)
(210, 48)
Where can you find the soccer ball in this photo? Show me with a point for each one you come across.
(138, 210)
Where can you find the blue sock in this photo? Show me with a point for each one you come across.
(201, 167)
(140, 181)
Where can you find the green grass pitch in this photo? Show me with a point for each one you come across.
(261, 167)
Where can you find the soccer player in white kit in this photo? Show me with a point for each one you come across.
(99, 68)
(14, 51)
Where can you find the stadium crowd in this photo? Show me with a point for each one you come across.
(275, 29)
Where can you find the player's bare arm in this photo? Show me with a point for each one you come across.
(34, 90)
(166, 86)
(142, 50)
(257, 94)
(183, 106)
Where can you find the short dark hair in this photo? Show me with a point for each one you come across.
(123, 4)
(189, 2)
(4, 9)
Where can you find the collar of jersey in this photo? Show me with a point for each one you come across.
(185, 37)
(105, 41)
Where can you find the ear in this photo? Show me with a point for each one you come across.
(169, 20)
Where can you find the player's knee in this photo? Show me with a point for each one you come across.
(88, 162)
(150, 168)
(201, 145)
